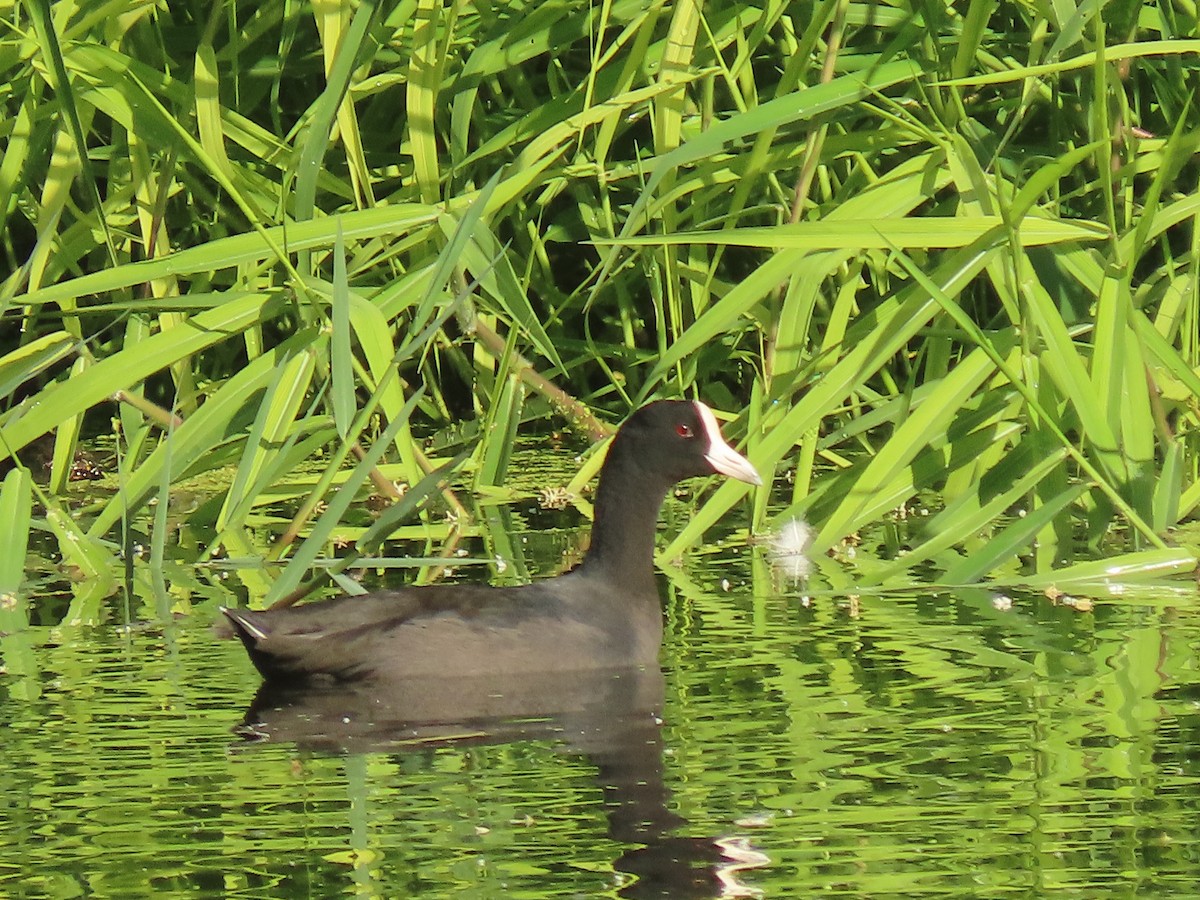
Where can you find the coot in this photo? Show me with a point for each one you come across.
(604, 614)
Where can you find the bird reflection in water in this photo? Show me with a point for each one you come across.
(609, 717)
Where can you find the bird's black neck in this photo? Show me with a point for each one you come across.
(628, 501)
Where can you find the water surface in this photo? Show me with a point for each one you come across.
(928, 744)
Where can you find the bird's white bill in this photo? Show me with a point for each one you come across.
(720, 455)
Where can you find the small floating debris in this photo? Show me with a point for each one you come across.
(555, 498)
(1060, 598)
(788, 549)
(755, 820)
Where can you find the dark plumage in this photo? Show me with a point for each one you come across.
(603, 614)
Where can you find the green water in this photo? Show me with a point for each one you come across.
(930, 744)
(903, 747)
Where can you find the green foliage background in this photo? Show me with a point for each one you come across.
(913, 249)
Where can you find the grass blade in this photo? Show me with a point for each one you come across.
(15, 516)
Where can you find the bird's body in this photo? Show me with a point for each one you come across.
(605, 614)
(414, 632)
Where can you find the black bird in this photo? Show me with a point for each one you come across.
(603, 614)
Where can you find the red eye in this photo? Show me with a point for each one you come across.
(684, 431)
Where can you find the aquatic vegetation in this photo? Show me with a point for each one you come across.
(917, 253)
